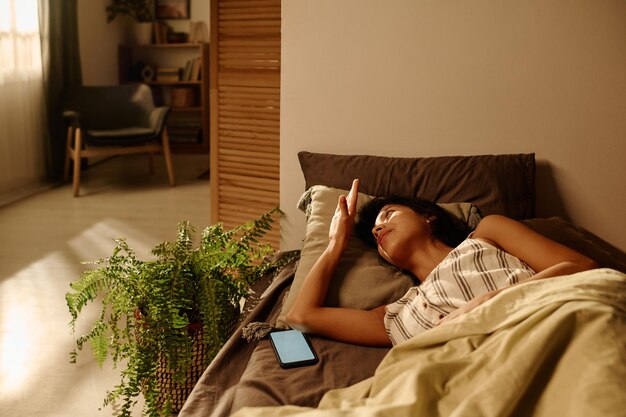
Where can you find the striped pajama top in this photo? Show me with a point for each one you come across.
(473, 268)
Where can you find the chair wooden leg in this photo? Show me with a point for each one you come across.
(76, 157)
(68, 153)
(165, 139)
(151, 162)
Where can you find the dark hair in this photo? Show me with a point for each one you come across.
(444, 226)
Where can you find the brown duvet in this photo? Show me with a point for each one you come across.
(247, 373)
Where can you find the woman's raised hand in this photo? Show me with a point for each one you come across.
(343, 220)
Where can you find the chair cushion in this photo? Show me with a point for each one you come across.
(123, 136)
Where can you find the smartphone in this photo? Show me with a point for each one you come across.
(292, 348)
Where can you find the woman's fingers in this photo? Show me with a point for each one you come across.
(353, 196)
(346, 205)
(342, 206)
(343, 220)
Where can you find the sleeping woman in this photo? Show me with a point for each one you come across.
(456, 272)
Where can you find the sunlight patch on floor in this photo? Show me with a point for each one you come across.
(98, 241)
(17, 346)
(43, 241)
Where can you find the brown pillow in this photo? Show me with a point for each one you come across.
(579, 239)
(497, 184)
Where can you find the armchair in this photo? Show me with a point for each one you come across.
(115, 120)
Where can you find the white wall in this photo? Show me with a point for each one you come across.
(429, 78)
(99, 39)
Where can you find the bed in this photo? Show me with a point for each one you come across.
(551, 347)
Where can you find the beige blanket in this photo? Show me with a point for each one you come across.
(555, 347)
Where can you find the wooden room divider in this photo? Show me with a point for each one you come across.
(245, 110)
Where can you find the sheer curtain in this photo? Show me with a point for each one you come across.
(22, 108)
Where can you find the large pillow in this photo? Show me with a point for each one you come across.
(497, 184)
(361, 281)
(581, 240)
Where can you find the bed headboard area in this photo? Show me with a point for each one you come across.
(497, 184)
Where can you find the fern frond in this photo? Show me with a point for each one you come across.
(86, 289)
(100, 347)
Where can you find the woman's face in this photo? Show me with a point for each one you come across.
(398, 229)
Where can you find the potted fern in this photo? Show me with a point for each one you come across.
(165, 319)
(141, 11)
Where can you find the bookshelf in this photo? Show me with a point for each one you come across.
(179, 79)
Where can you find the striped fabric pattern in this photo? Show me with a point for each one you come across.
(473, 268)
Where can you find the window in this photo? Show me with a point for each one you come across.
(20, 50)
(21, 97)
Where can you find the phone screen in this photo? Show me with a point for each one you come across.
(292, 348)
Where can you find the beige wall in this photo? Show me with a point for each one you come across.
(98, 42)
(428, 78)
(99, 39)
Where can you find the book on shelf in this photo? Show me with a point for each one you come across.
(168, 74)
(160, 32)
(192, 70)
(184, 135)
(185, 139)
(184, 128)
(195, 73)
(184, 122)
(187, 70)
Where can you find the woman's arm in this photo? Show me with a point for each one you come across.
(365, 327)
(545, 256)
(307, 314)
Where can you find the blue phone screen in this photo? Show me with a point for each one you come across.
(292, 346)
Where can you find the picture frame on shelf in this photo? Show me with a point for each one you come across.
(172, 9)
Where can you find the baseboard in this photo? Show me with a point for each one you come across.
(25, 192)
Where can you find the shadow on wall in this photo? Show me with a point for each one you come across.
(549, 201)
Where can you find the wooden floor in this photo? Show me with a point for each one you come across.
(43, 240)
